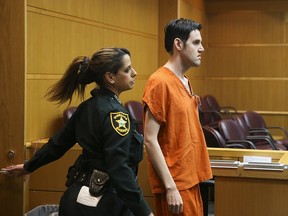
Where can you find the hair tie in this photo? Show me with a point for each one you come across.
(83, 65)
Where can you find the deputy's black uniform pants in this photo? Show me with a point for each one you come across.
(109, 205)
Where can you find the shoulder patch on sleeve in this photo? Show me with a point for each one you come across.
(120, 122)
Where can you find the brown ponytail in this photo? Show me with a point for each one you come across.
(64, 89)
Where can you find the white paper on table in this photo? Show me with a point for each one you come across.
(247, 159)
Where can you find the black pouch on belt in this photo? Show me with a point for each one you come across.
(98, 183)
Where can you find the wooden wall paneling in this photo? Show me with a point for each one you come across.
(228, 92)
(200, 4)
(137, 15)
(241, 27)
(199, 85)
(273, 61)
(43, 118)
(265, 95)
(37, 198)
(247, 61)
(261, 5)
(88, 9)
(130, 14)
(53, 42)
(224, 61)
(193, 10)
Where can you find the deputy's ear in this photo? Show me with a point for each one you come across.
(178, 43)
(109, 77)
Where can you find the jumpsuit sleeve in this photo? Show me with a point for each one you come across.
(54, 149)
(117, 136)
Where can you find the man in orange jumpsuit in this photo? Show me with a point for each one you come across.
(178, 156)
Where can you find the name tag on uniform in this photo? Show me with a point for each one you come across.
(85, 198)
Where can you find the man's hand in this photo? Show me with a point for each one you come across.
(174, 200)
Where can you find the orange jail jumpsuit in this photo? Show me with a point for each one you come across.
(181, 140)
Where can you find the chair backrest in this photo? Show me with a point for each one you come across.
(214, 105)
(231, 130)
(241, 121)
(68, 112)
(205, 116)
(254, 120)
(208, 116)
(212, 102)
(213, 137)
(136, 112)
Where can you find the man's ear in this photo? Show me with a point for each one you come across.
(178, 43)
(109, 77)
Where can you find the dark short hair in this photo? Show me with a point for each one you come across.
(179, 28)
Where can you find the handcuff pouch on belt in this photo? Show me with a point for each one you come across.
(98, 183)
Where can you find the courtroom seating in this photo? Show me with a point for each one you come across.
(257, 133)
(215, 140)
(136, 112)
(68, 112)
(232, 132)
(256, 122)
(207, 116)
(214, 105)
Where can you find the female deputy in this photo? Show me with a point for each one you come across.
(103, 179)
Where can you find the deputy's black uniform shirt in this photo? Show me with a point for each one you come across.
(102, 127)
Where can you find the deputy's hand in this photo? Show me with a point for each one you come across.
(15, 170)
(174, 200)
